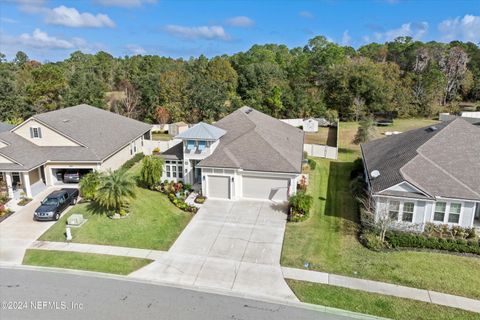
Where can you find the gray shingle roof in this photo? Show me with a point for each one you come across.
(202, 131)
(100, 132)
(442, 163)
(174, 153)
(5, 127)
(257, 142)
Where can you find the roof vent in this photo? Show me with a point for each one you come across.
(248, 110)
(432, 128)
(375, 174)
(66, 120)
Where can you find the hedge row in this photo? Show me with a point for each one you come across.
(129, 163)
(409, 240)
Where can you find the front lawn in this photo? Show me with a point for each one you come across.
(328, 239)
(84, 261)
(374, 304)
(154, 223)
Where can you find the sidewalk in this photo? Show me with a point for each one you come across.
(288, 273)
(383, 288)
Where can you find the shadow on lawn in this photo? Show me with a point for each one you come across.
(95, 209)
(340, 202)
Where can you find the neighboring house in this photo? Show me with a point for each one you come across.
(36, 153)
(425, 175)
(247, 154)
(470, 117)
(177, 128)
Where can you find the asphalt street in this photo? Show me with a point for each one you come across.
(32, 294)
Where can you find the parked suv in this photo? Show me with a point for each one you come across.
(71, 176)
(55, 203)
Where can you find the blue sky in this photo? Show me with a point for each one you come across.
(49, 30)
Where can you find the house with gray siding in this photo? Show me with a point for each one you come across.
(247, 154)
(426, 175)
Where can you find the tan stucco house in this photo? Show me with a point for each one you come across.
(34, 154)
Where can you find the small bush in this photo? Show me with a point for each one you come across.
(312, 163)
(156, 150)
(357, 169)
(300, 205)
(372, 241)
(24, 201)
(200, 199)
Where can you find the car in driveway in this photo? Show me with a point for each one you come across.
(55, 203)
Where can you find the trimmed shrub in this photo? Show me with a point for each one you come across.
(131, 162)
(312, 164)
(410, 240)
(300, 205)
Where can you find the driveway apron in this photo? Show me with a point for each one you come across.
(228, 245)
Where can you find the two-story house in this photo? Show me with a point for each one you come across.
(36, 153)
(247, 154)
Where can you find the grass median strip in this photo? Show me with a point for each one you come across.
(374, 304)
(84, 261)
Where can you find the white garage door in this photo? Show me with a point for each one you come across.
(265, 188)
(218, 187)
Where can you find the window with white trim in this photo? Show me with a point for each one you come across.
(393, 209)
(174, 171)
(454, 212)
(167, 170)
(440, 209)
(180, 171)
(36, 132)
(407, 212)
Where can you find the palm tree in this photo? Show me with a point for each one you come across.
(115, 190)
(89, 184)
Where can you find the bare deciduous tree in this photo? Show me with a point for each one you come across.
(454, 67)
(376, 217)
(130, 100)
(162, 115)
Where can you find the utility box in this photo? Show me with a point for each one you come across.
(75, 220)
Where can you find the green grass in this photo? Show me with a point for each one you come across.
(328, 239)
(375, 304)
(161, 136)
(154, 223)
(84, 261)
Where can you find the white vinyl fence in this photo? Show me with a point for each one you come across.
(150, 145)
(321, 151)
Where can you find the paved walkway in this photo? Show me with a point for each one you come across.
(183, 269)
(383, 288)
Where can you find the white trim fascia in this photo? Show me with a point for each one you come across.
(123, 146)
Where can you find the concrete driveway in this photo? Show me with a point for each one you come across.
(19, 231)
(228, 245)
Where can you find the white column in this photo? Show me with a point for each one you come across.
(26, 183)
(8, 179)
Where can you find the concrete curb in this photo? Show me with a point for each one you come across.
(264, 299)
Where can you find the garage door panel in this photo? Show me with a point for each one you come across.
(265, 188)
(218, 187)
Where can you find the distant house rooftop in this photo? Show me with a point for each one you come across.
(202, 131)
(5, 127)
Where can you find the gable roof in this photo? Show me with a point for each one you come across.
(101, 131)
(202, 131)
(442, 163)
(257, 142)
(5, 127)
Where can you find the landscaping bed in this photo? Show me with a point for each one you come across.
(84, 261)
(374, 304)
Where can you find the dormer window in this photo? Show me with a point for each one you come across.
(202, 145)
(190, 144)
(35, 132)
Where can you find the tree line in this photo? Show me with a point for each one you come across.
(410, 78)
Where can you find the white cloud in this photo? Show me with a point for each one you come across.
(124, 3)
(202, 32)
(346, 38)
(135, 49)
(306, 14)
(466, 28)
(8, 20)
(415, 30)
(240, 21)
(70, 17)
